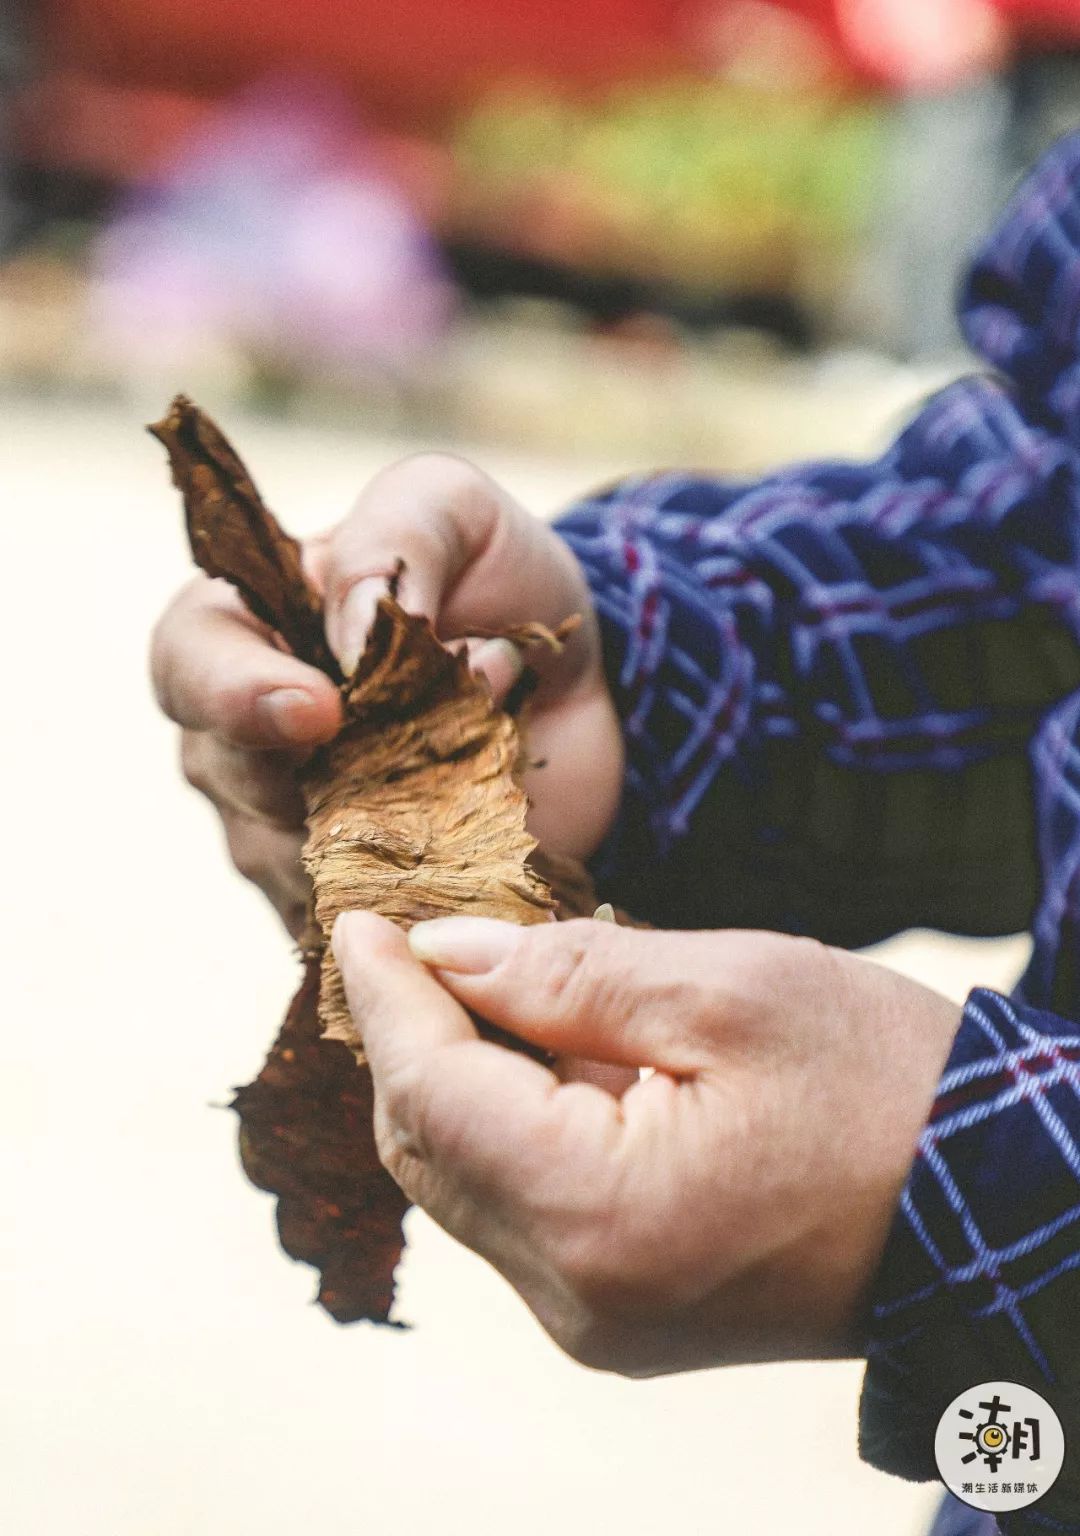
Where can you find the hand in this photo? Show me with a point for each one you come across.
(732, 1206)
(474, 560)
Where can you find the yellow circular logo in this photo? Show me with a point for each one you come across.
(999, 1446)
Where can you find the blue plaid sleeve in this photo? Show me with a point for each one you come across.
(981, 1276)
(1052, 978)
(828, 679)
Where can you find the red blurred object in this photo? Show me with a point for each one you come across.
(411, 61)
(123, 79)
(417, 58)
(933, 44)
(925, 45)
(1054, 20)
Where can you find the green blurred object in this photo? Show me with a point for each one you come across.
(711, 185)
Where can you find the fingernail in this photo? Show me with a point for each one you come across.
(605, 913)
(356, 616)
(501, 662)
(467, 944)
(287, 713)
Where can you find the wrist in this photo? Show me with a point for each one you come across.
(978, 1279)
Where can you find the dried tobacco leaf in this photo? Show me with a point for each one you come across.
(305, 1135)
(414, 811)
(232, 534)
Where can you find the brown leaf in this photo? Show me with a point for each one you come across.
(232, 534)
(414, 811)
(306, 1136)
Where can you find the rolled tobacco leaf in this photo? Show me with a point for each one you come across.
(414, 811)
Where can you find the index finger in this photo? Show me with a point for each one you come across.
(434, 513)
(216, 668)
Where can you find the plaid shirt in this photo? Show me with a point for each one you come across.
(850, 702)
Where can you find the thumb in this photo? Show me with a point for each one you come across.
(401, 1013)
(581, 988)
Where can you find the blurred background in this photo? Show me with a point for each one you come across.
(598, 225)
(568, 239)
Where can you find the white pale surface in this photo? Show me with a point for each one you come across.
(163, 1373)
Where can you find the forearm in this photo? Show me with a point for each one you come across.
(828, 680)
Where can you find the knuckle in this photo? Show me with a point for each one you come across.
(388, 1146)
(400, 1090)
(159, 663)
(162, 665)
(262, 788)
(424, 507)
(194, 762)
(573, 967)
(802, 945)
(165, 644)
(314, 552)
(227, 702)
(397, 1123)
(246, 849)
(445, 472)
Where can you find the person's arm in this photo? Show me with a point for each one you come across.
(980, 1280)
(828, 679)
(738, 1202)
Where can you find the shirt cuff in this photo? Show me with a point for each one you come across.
(980, 1280)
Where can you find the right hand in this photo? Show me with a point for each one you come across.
(734, 1205)
(474, 559)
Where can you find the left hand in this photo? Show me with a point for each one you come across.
(732, 1206)
(475, 560)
